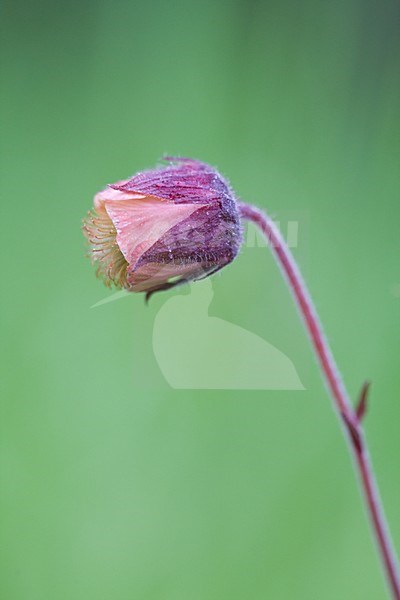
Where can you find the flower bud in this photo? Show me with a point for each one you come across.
(163, 226)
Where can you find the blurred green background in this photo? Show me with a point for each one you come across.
(113, 485)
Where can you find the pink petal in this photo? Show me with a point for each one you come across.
(112, 194)
(152, 275)
(141, 222)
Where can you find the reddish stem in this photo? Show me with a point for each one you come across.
(341, 400)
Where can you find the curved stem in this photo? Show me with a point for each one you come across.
(350, 418)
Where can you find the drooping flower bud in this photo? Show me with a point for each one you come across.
(163, 226)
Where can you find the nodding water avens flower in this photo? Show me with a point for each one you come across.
(163, 226)
(180, 223)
